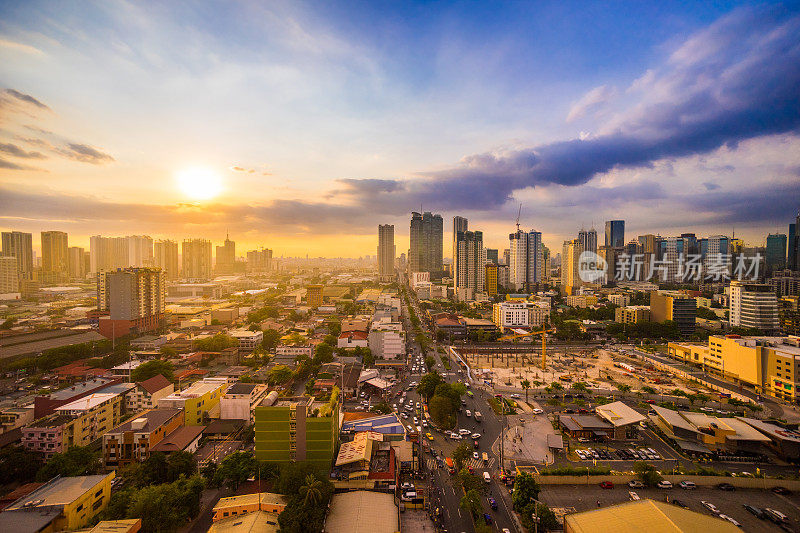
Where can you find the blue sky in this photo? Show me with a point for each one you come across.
(328, 118)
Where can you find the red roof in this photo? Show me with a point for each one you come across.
(354, 335)
(154, 384)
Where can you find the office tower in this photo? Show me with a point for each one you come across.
(615, 233)
(314, 295)
(426, 239)
(677, 307)
(226, 257)
(609, 256)
(647, 243)
(793, 245)
(525, 267)
(196, 259)
(134, 299)
(77, 262)
(570, 255)
(386, 253)
(259, 260)
(716, 257)
(55, 255)
(469, 257)
(776, 251)
(9, 274)
(165, 257)
(20, 245)
(507, 256)
(588, 240)
(753, 305)
(490, 278)
(492, 256)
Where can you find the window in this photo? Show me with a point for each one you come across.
(96, 505)
(79, 508)
(98, 493)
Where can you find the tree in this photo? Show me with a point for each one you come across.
(270, 340)
(311, 490)
(461, 453)
(526, 384)
(166, 507)
(76, 461)
(235, 469)
(441, 410)
(279, 374)
(580, 386)
(526, 489)
(382, 407)
(168, 351)
(649, 390)
(647, 473)
(152, 368)
(323, 353)
(471, 502)
(18, 464)
(217, 343)
(623, 387)
(430, 362)
(427, 385)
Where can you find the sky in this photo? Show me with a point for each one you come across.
(301, 126)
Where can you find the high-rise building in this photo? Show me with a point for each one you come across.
(165, 257)
(490, 278)
(793, 245)
(570, 256)
(507, 256)
(77, 262)
(9, 275)
(588, 240)
(753, 305)
(776, 251)
(226, 257)
(314, 295)
(55, 254)
(386, 253)
(111, 253)
(426, 238)
(196, 258)
(615, 233)
(20, 245)
(140, 250)
(492, 256)
(134, 299)
(259, 260)
(469, 257)
(677, 307)
(647, 243)
(526, 265)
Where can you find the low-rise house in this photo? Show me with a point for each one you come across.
(240, 400)
(147, 393)
(248, 503)
(199, 401)
(133, 441)
(183, 439)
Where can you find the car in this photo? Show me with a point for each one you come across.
(679, 503)
(475, 436)
(781, 490)
(664, 484)
(634, 497)
(776, 516)
(475, 455)
(493, 504)
(404, 415)
(470, 469)
(726, 486)
(475, 444)
(755, 511)
(429, 436)
(468, 413)
(635, 484)
(731, 520)
(537, 411)
(455, 436)
(580, 454)
(606, 485)
(710, 506)
(687, 485)
(487, 518)
(463, 432)
(707, 409)
(515, 396)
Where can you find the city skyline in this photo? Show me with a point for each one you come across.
(284, 128)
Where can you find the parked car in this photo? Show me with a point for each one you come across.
(635, 484)
(493, 504)
(633, 496)
(487, 518)
(688, 485)
(731, 520)
(781, 490)
(755, 511)
(710, 506)
(679, 503)
(776, 516)
(475, 455)
(664, 484)
(726, 487)
(606, 485)
(537, 411)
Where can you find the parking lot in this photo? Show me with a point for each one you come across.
(585, 497)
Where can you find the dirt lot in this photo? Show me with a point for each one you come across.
(583, 498)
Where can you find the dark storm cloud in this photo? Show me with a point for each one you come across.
(739, 79)
(710, 186)
(25, 98)
(16, 151)
(85, 154)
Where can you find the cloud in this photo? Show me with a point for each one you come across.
(693, 104)
(591, 102)
(710, 186)
(242, 169)
(26, 98)
(8, 165)
(85, 154)
(16, 151)
(5, 43)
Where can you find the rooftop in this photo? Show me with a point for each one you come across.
(155, 384)
(362, 512)
(58, 492)
(196, 389)
(179, 439)
(153, 419)
(88, 402)
(80, 388)
(619, 414)
(241, 388)
(256, 522)
(251, 499)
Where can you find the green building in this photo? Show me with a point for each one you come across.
(297, 430)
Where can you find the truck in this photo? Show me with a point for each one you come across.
(450, 466)
(478, 416)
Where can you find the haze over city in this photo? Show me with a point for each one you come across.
(301, 125)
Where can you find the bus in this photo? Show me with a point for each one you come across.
(450, 466)
(485, 459)
(478, 416)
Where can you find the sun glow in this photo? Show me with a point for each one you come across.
(199, 183)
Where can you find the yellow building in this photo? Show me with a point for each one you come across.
(677, 307)
(581, 300)
(645, 515)
(63, 503)
(490, 279)
(132, 525)
(770, 365)
(314, 295)
(248, 503)
(199, 400)
(257, 522)
(632, 314)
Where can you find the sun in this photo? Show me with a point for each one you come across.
(199, 183)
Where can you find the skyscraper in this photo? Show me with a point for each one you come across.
(140, 250)
(9, 276)
(469, 257)
(426, 236)
(776, 251)
(570, 255)
(165, 257)
(386, 252)
(259, 260)
(20, 245)
(226, 257)
(55, 254)
(526, 264)
(648, 243)
(793, 245)
(134, 299)
(196, 258)
(492, 255)
(588, 240)
(77, 262)
(615, 233)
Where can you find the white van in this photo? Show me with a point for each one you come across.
(486, 477)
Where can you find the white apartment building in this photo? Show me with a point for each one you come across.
(386, 339)
(753, 305)
(512, 314)
(526, 263)
(9, 275)
(291, 350)
(248, 340)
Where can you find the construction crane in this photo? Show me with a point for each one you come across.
(519, 212)
(543, 332)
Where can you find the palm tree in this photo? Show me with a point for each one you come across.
(526, 384)
(311, 491)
